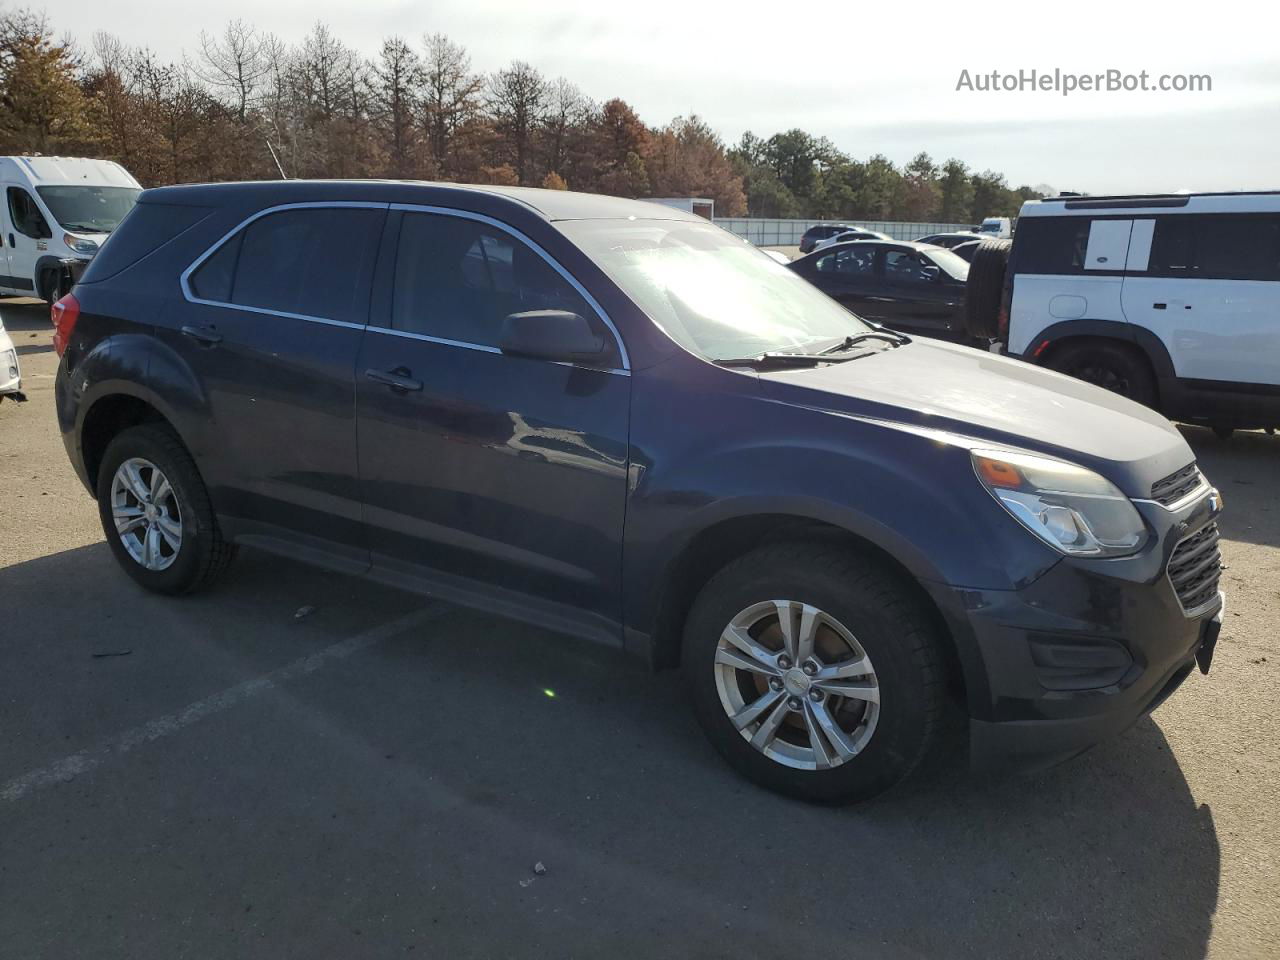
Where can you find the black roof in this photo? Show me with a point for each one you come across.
(550, 204)
(1075, 201)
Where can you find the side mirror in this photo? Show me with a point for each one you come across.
(931, 273)
(552, 335)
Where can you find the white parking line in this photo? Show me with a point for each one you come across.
(72, 766)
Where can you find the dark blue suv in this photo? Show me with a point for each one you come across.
(618, 421)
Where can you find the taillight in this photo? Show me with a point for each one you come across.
(64, 314)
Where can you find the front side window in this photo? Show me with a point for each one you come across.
(908, 269)
(711, 292)
(26, 216)
(309, 262)
(458, 279)
(85, 209)
(848, 263)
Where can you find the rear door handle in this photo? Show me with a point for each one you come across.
(1159, 306)
(397, 379)
(204, 335)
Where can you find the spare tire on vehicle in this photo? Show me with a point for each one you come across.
(984, 289)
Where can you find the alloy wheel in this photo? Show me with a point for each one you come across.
(146, 513)
(797, 685)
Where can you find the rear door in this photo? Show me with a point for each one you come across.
(1211, 293)
(271, 327)
(484, 474)
(1066, 268)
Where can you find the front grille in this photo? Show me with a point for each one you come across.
(1176, 486)
(1195, 569)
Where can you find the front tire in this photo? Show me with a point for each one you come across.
(814, 672)
(156, 512)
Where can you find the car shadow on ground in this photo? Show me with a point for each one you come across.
(423, 778)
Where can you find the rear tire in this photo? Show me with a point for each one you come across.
(156, 513)
(1109, 365)
(870, 619)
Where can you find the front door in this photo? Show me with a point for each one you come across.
(486, 475)
(919, 297)
(26, 240)
(270, 327)
(1211, 293)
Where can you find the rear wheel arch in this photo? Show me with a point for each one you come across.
(1145, 389)
(107, 417)
(716, 546)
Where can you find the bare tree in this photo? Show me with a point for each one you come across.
(399, 76)
(517, 101)
(451, 99)
(567, 109)
(236, 65)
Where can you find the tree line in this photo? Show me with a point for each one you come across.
(246, 105)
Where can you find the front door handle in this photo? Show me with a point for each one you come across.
(206, 336)
(397, 379)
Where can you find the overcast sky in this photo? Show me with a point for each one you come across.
(872, 75)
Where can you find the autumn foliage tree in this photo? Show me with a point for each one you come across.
(247, 105)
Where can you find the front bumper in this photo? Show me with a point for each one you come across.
(10, 369)
(1082, 653)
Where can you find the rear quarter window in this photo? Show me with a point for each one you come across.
(145, 229)
(1053, 245)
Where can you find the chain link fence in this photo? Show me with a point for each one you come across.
(786, 233)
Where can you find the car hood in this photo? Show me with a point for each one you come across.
(979, 395)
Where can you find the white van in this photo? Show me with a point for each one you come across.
(56, 208)
(998, 228)
(1173, 301)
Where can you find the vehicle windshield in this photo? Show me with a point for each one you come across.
(951, 262)
(713, 293)
(87, 209)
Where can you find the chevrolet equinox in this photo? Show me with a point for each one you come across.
(615, 420)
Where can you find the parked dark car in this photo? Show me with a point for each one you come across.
(552, 407)
(824, 231)
(950, 240)
(906, 286)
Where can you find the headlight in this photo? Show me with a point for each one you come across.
(1068, 507)
(80, 244)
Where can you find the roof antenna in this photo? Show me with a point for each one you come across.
(267, 141)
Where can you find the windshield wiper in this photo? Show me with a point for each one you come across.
(897, 339)
(773, 358)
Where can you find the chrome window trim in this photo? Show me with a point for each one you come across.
(191, 297)
(551, 261)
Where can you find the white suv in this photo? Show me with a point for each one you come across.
(1173, 301)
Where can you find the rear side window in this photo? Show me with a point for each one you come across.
(1053, 245)
(1217, 247)
(145, 229)
(458, 279)
(309, 262)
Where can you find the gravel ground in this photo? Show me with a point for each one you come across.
(213, 777)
